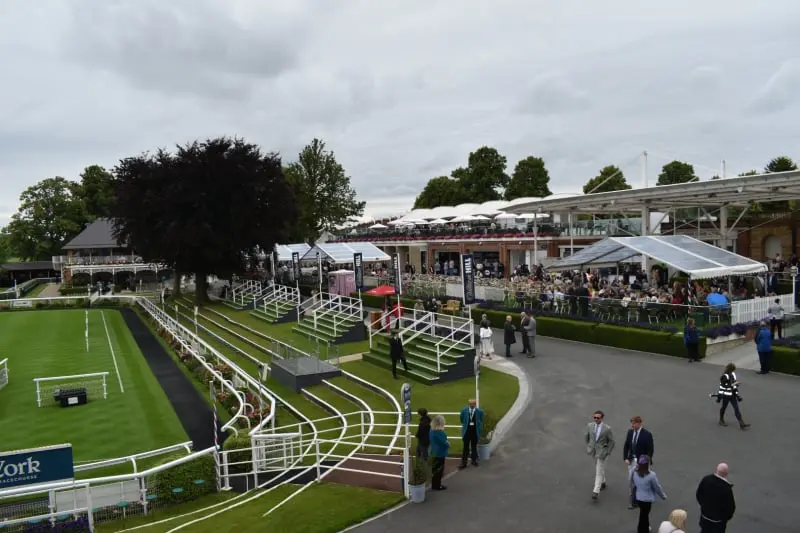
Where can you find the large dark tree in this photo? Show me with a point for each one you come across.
(5, 246)
(530, 179)
(485, 174)
(50, 214)
(676, 172)
(97, 191)
(323, 191)
(208, 208)
(610, 178)
(778, 164)
(440, 191)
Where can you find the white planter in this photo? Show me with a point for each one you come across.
(484, 452)
(726, 338)
(417, 493)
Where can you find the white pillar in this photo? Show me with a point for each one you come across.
(723, 227)
(535, 241)
(645, 232)
(571, 236)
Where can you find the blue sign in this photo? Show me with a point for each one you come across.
(37, 465)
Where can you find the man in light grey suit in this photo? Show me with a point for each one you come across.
(599, 445)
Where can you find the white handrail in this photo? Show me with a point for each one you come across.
(439, 353)
(133, 458)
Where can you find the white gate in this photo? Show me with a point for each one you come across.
(275, 451)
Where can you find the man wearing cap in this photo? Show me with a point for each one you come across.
(717, 504)
(638, 442)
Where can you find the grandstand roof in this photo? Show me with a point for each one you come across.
(339, 252)
(98, 234)
(698, 259)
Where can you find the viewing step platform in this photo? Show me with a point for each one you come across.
(420, 353)
(233, 305)
(276, 312)
(332, 328)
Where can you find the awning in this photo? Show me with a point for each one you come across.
(698, 259)
(339, 252)
(285, 251)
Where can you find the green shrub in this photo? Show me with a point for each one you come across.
(786, 360)
(72, 291)
(419, 470)
(186, 476)
(488, 426)
(239, 442)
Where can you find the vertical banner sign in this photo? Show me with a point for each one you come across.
(468, 278)
(319, 271)
(296, 266)
(358, 266)
(405, 397)
(398, 275)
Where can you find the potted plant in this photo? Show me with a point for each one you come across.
(487, 434)
(418, 479)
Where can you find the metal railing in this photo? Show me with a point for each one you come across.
(455, 342)
(341, 309)
(78, 260)
(82, 466)
(756, 309)
(281, 294)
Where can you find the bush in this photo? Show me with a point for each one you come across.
(419, 471)
(239, 442)
(185, 476)
(72, 291)
(487, 428)
(786, 359)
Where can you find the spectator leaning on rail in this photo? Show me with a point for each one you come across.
(763, 340)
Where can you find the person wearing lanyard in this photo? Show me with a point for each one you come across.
(471, 425)
(638, 442)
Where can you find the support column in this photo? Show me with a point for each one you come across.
(645, 232)
(536, 241)
(571, 236)
(723, 227)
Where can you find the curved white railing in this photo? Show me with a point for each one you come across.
(81, 466)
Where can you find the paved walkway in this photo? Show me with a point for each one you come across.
(540, 479)
(50, 291)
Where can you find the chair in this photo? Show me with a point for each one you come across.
(452, 307)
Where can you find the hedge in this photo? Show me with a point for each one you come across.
(786, 360)
(626, 337)
(239, 442)
(186, 476)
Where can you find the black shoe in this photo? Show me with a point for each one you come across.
(762, 372)
(474, 463)
(440, 488)
(462, 466)
(531, 356)
(602, 486)
(691, 360)
(594, 495)
(523, 353)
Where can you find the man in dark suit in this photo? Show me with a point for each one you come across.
(717, 504)
(471, 418)
(397, 353)
(638, 442)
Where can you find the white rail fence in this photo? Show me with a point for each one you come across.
(76, 381)
(758, 308)
(3, 372)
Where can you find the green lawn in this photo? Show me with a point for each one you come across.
(51, 343)
(321, 508)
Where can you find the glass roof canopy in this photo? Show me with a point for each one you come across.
(339, 252)
(698, 259)
(285, 250)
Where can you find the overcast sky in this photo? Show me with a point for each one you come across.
(401, 91)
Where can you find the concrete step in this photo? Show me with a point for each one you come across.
(417, 373)
(308, 331)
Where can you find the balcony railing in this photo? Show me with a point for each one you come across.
(97, 260)
(580, 228)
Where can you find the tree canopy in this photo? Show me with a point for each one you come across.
(97, 191)
(530, 179)
(207, 208)
(780, 164)
(443, 190)
(485, 174)
(676, 172)
(610, 178)
(50, 213)
(323, 191)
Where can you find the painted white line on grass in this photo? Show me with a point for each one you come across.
(111, 347)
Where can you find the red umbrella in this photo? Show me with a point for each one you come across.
(382, 290)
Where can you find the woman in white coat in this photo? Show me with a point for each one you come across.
(486, 341)
(675, 524)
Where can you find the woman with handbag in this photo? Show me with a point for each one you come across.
(646, 487)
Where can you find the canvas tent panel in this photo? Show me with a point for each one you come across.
(369, 251)
(343, 253)
(285, 250)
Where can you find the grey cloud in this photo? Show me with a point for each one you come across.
(202, 50)
(553, 95)
(780, 91)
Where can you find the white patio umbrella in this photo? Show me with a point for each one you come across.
(480, 217)
(378, 226)
(397, 222)
(463, 218)
(439, 221)
(506, 216)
